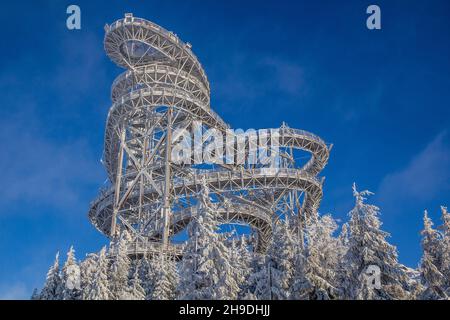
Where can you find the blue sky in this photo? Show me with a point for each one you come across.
(381, 97)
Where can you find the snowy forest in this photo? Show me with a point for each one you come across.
(322, 262)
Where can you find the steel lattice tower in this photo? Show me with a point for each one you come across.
(164, 89)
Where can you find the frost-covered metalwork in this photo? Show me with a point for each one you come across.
(163, 89)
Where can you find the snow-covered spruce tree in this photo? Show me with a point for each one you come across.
(147, 274)
(341, 275)
(368, 248)
(414, 283)
(445, 249)
(71, 277)
(301, 286)
(100, 287)
(35, 295)
(430, 265)
(257, 287)
(166, 277)
(136, 291)
(88, 269)
(120, 268)
(228, 285)
(53, 285)
(241, 262)
(316, 270)
(280, 261)
(206, 272)
(343, 239)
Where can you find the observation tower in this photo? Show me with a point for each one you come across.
(162, 92)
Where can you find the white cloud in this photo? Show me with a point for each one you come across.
(246, 80)
(288, 77)
(41, 170)
(82, 66)
(15, 291)
(423, 178)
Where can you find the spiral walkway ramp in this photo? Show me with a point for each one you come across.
(163, 91)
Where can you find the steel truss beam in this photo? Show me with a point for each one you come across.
(164, 89)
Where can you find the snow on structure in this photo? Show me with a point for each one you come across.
(291, 252)
(164, 90)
